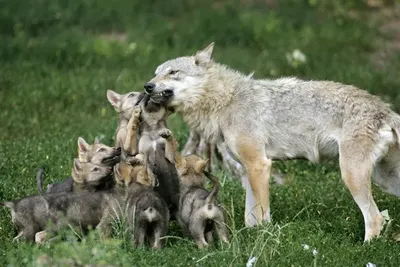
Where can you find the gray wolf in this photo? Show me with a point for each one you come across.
(32, 214)
(153, 121)
(289, 118)
(145, 210)
(86, 176)
(80, 208)
(124, 104)
(199, 213)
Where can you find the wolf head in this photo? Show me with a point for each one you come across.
(124, 103)
(97, 153)
(139, 172)
(86, 172)
(152, 112)
(178, 80)
(191, 170)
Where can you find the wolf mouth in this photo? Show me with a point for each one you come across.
(112, 159)
(162, 96)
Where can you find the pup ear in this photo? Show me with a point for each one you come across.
(77, 171)
(77, 165)
(83, 147)
(181, 166)
(203, 57)
(201, 165)
(117, 175)
(97, 140)
(114, 99)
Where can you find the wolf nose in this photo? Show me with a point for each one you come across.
(149, 87)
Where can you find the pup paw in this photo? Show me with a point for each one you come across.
(165, 133)
(136, 111)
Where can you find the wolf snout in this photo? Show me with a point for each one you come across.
(118, 150)
(149, 87)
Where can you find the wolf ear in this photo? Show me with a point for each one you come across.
(97, 140)
(200, 166)
(83, 147)
(203, 57)
(114, 99)
(117, 174)
(77, 165)
(181, 166)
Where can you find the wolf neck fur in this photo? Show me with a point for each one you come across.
(204, 110)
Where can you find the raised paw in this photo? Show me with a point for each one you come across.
(133, 160)
(136, 111)
(134, 120)
(165, 133)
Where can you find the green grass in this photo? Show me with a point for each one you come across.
(56, 65)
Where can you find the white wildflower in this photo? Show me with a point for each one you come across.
(299, 56)
(315, 252)
(296, 58)
(305, 246)
(251, 261)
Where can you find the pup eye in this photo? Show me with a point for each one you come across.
(101, 150)
(172, 72)
(95, 169)
(131, 95)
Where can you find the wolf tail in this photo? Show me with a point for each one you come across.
(39, 179)
(152, 214)
(8, 204)
(211, 198)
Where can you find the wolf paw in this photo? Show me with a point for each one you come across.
(136, 111)
(133, 160)
(165, 133)
(134, 121)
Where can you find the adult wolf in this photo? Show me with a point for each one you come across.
(287, 118)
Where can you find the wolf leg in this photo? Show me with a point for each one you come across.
(191, 144)
(130, 143)
(356, 164)
(387, 172)
(258, 168)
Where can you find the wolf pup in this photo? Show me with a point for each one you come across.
(124, 104)
(161, 161)
(99, 155)
(84, 177)
(146, 211)
(199, 213)
(289, 118)
(32, 214)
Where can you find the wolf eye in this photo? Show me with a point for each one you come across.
(172, 72)
(131, 95)
(95, 169)
(101, 150)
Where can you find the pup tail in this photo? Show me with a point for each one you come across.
(151, 214)
(39, 179)
(212, 197)
(8, 204)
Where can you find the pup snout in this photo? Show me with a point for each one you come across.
(149, 87)
(118, 150)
